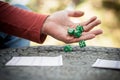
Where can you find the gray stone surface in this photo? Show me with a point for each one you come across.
(76, 64)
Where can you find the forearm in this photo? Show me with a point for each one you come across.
(21, 23)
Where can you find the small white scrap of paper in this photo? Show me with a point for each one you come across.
(35, 61)
(101, 63)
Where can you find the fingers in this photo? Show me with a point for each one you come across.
(75, 13)
(88, 25)
(91, 25)
(95, 32)
(85, 37)
(89, 21)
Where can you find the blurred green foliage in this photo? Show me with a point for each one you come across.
(7, 0)
(48, 6)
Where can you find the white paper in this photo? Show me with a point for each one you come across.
(35, 61)
(101, 63)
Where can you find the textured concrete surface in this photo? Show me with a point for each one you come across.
(76, 64)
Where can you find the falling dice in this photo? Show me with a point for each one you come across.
(67, 48)
(82, 44)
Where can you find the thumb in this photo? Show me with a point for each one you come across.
(75, 13)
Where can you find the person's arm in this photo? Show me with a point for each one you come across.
(21, 23)
(34, 26)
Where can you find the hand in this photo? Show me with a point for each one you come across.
(56, 25)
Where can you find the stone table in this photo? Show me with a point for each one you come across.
(76, 64)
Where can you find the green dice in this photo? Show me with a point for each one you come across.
(77, 34)
(80, 28)
(82, 44)
(71, 31)
(67, 48)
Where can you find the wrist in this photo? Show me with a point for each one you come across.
(45, 25)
